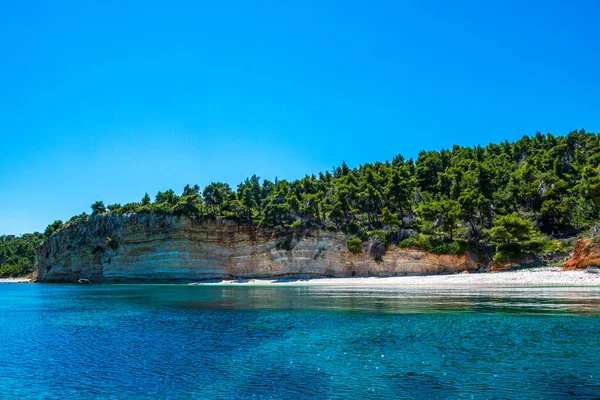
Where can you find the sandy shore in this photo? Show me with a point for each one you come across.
(546, 276)
(14, 280)
(528, 277)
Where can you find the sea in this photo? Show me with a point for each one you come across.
(297, 342)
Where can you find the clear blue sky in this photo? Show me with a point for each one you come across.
(108, 100)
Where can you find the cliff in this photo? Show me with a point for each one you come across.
(586, 254)
(113, 248)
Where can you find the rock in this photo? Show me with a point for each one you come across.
(169, 248)
(586, 254)
(376, 248)
(523, 260)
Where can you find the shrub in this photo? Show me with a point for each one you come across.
(547, 245)
(508, 252)
(408, 242)
(383, 235)
(440, 246)
(354, 245)
(352, 228)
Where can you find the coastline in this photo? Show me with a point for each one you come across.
(531, 277)
(534, 277)
(15, 280)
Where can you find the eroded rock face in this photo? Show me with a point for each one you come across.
(586, 254)
(524, 260)
(114, 248)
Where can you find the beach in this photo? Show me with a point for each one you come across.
(544, 276)
(14, 280)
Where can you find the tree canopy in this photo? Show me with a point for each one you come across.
(18, 254)
(499, 193)
(551, 181)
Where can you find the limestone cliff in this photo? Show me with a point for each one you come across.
(113, 248)
(586, 254)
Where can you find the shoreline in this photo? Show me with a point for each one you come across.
(534, 277)
(15, 280)
(531, 277)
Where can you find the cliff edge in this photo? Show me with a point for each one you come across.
(117, 248)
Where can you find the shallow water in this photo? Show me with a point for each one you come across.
(168, 341)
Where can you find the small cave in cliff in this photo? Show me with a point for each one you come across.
(353, 273)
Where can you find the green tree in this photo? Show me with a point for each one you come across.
(53, 227)
(388, 218)
(146, 200)
(98, 208)
(443, 213)
(511, 228)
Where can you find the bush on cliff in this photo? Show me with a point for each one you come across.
(437, 245)
(354, 245)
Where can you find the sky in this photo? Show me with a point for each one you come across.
(108, 100)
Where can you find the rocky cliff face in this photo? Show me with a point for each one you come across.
(586, 254)
(113, 248)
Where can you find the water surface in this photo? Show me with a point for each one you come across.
(168, 341)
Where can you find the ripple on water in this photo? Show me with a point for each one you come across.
(165, 341)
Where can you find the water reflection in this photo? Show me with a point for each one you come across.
(581, 301)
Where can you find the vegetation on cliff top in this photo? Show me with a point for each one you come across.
(506, 194)
(511, 195)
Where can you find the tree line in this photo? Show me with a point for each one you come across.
(517, 196)
(543, 186)
(18, 254)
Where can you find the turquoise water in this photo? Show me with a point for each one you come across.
(167, 341)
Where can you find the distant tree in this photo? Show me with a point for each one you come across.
(53, 227)
(18, 253)
(98, 208)
(215, 196)
(191, 190)
(114, 208)
(167, 196)
(146, 200)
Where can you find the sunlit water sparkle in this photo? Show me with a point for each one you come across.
(169, 341)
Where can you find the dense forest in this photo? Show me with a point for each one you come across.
(18, 253)
(518, 197)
